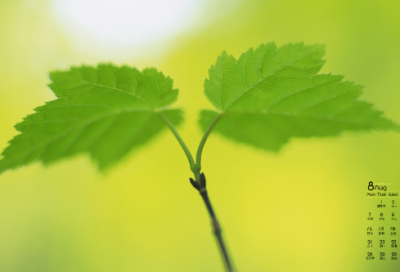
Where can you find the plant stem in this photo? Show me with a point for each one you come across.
(181, 142)
(204, 139)
(200, 184)
(217, 231)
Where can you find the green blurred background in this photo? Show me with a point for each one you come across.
(303, 209)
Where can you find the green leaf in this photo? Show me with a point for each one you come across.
(269, 95)
(106, 111)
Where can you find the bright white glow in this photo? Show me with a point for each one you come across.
(127, 22)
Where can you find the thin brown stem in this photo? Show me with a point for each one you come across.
(217, 231)
(201, 187)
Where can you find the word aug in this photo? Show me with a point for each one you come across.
(371, 187)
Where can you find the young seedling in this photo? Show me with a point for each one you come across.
(262, 99)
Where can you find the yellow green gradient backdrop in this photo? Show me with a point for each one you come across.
(303, 209)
